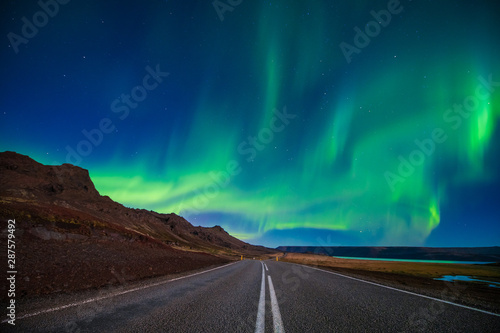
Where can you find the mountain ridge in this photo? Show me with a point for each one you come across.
(486, 254)
(69, 187)
(69, 237)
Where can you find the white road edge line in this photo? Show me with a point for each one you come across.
(406, 292)
(277, 322)
(115, 294)
(260, 324)
(266, 267)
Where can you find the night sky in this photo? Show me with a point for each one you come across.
(285, 122)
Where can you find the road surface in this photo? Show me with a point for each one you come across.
(260, 296)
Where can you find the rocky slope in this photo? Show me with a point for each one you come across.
(69, 237)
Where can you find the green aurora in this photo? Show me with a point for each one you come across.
(264, 128)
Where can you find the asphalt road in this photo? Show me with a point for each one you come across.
(255, 296)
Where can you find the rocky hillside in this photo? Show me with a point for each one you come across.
(64, 203)
(66, 230)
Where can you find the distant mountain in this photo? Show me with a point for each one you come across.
(64, 226)
(486, 254)
(63, 199)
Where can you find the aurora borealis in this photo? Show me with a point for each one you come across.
(259, 123)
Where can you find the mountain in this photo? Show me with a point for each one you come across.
(69, 237)
(486, 254)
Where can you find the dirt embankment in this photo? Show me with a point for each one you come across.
(65, 265)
